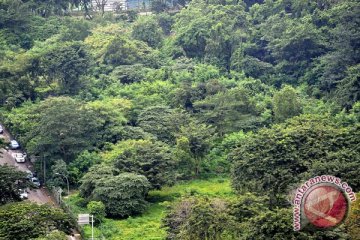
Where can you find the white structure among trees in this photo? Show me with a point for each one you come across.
(109, 5)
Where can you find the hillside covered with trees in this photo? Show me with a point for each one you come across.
(144, 114)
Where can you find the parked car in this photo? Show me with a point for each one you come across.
(14, 144)
(29, 175)
(1, 129)
(35, 181)
(23, 193)
(19, 157)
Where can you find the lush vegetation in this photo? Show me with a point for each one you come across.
(149, 225)
(30, 220)
(11, 181)
(265, 93)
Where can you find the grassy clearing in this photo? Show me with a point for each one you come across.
(148, 225)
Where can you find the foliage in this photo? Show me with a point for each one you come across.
(59, 173)
(128, 74)
(154, 160)
(100, 39)
(64, 66)
(162, 121)
(149, 224)
(123, 195)
(275, 159)
(192, 144)
(97, 209)
(62, 129)
(95, 174)
(148, 30)
(110, 116)
(123, 51)
(184, 95)
(30, 220)
(54, 235)
(217, 161)
(229, 111)
(276, 225)
(11, 181)
(286, 104)
(200, 219)
(82, 164)
(166, 22)
(353, 221)
(200, 35)
(348, 89)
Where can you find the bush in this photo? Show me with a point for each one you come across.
(197, 219)
(152, 159)
(27, 220)
(123, 195)
(97, 209)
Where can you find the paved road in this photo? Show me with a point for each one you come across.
(39, 196)
(35, 195)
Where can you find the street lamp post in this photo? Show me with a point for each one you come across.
(67, 181)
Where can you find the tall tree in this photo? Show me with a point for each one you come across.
(123, 195)
(64, 66)
(154, 160)
(162, 121)
(275, 159)
(229, 111)
(193, 143)
(148, 31)
(63, 130)
(92, 177)
(286, 104)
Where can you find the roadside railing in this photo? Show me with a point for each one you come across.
(57, 194)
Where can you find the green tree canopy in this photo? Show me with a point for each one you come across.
(123, 195)
(11, 181)
(148, 30)
(197, 218)
(30, 220)
(152, 159)
(286, 104)
(275, 160)
(192, 144)
(95, 174)
(62, 130)
(162, 121)
(64, 66)
(97, 209)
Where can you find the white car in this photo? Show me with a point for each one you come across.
(35, 181)
(19, 157)
(23, 193)
(1, 129)
(14, 144)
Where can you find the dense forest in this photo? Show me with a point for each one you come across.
(260, 95)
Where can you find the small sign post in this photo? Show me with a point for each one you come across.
(84, 219)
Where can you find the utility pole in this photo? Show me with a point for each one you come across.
(92, 227)
(59, 192)
(84, 219)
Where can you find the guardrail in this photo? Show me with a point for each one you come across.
(56, 193)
